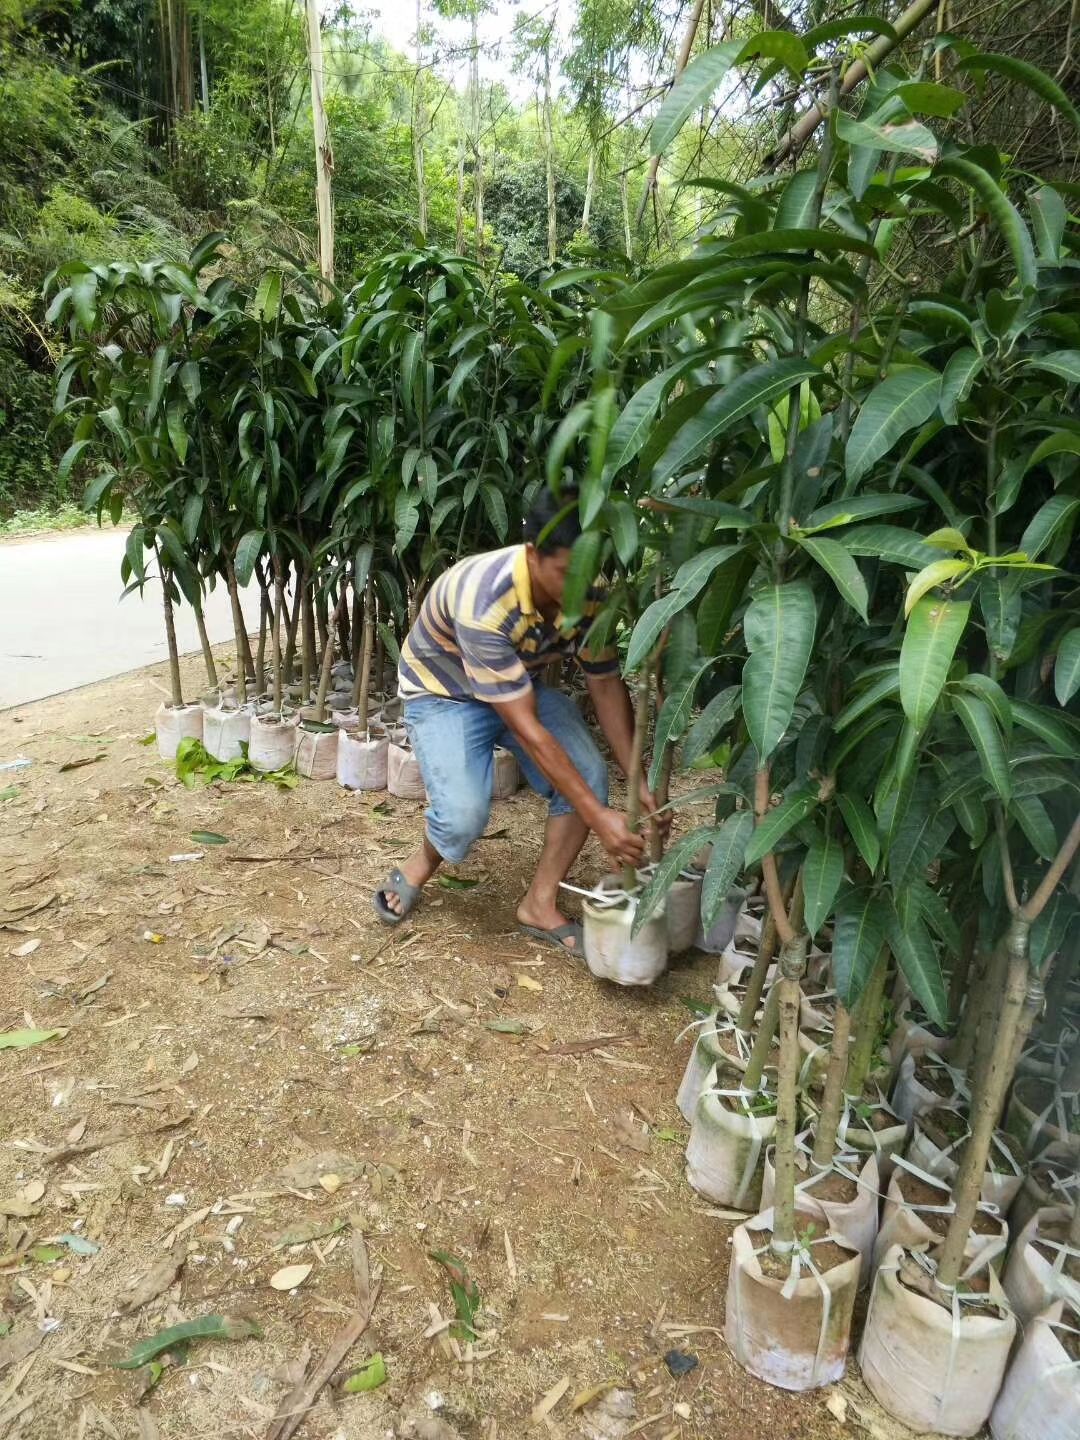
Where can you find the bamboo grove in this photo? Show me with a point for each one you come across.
(833, 496)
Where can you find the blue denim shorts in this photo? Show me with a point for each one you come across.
(455, 740)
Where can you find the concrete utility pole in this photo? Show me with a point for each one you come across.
(324, 156)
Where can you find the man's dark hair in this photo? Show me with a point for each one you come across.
(552, 522)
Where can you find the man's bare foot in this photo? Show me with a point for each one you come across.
(418, 870)
(545, 917)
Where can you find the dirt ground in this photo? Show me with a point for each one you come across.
(233, 1027)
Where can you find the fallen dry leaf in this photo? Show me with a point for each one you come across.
(526, 982)
(290, 1276)
(154, 1283)
(837, 1406)
(544, 1407)
(27, 948)
(330, 1183)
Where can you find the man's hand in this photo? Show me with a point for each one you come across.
(649, 808)
(624, 845)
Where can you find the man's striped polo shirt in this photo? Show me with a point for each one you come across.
(478, 637)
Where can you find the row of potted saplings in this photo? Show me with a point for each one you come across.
(873, 1200)
(348, 730)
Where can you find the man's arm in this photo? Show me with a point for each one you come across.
(610, 826)
(615, 716)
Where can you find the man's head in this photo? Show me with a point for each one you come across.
(551, 527)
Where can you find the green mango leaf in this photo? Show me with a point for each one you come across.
(1065, 363)
(1043, 722)
(726, 862)
(1023, 73)
(859, 507)
(1054, 517)
(933, 632)
(247, 552)
(689, 581)
(782, 45)
(1048, 220)
(889, 542)
(370, 1376)
(209, 837)
(823, 871)
(858, 937)
(956, 381)
(207, 1327)
(1001, 210)
(903, 400)
(759, 386)
(676, 859)
(691, 90)
(779, 631)
(1067, 666)
(21, 1039)
(910, 941)
(585, 559)
(901, 135)
(1034, 820)
(674, 717)
(777, 822)
(978, 720)
(702, 736)
(862, 827)
(837, 563)
(883, 688)
(457, 882)
(1049, 931)
(941, 572)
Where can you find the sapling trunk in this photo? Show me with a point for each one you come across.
(663, 790)
(633, 779)
(343, 627)
(867, 1024)
(362, 682)
(986, 1034)
(1057, 989)
(265, 625)
(379, 663)
(293, 628)
(276, 657)
(244, 669)
(961, 970)
(832, 1100)
(307, 641)
(986, 1105)
(357, 631)
(204, 641)
(963, 1051)
(170, 635)
(764, 958)
(327, 664)
(322, 619)
(792, 964)
(1070, 1081)
(770, 1018)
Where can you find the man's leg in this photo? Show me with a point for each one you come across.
(564, 836)
(453, 740)
(566, 831)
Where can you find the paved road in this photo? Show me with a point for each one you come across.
(63, 624)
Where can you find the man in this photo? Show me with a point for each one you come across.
(469, 676)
